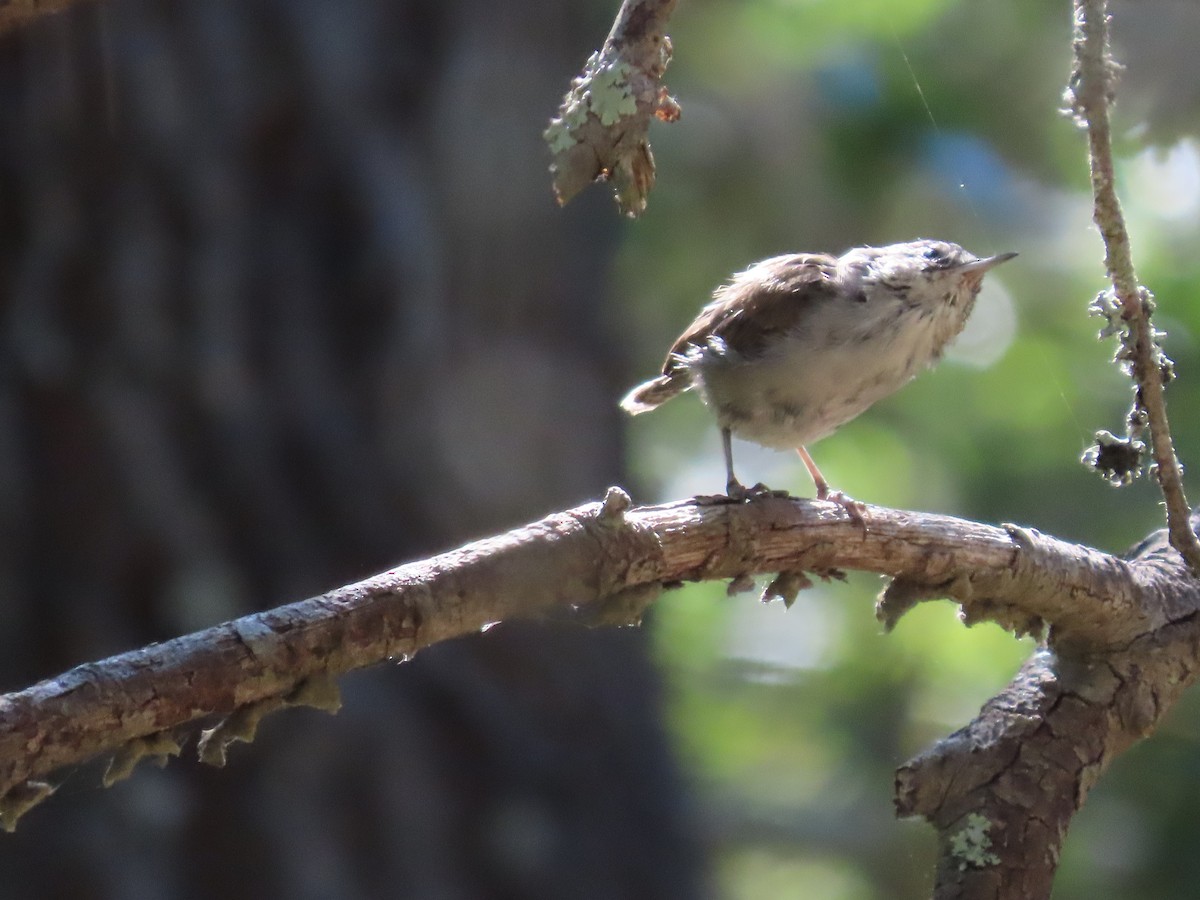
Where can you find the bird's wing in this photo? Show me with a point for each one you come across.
(767, 299)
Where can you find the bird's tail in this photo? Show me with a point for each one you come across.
(655, 392)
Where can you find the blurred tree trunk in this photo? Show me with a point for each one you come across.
(286, 300)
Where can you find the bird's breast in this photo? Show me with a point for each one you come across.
(809, 382)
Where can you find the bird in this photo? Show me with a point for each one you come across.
(797, 345)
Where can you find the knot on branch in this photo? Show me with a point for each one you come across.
(626, 564)
(616, 501)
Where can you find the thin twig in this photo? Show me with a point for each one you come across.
(1091, 93)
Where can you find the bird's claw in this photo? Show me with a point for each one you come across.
(736, 492)
(855, 509)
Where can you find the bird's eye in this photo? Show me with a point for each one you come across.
(935, 253)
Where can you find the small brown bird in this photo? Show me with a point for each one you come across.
(798, 345)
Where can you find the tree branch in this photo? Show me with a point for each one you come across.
(1090, 94)
(602, 562)
(601, 129)
(1002, 791)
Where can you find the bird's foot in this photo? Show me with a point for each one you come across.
(713, 499)
(855, 509)
(736, 492)
(739, 493)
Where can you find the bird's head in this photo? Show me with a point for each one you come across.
(938, 269)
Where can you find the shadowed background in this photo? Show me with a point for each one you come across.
(285, 302)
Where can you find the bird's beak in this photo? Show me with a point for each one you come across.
(982, 265)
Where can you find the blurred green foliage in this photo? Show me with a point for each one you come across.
(823, 124)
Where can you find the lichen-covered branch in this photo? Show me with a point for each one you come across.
(600, 132)
(601, 563)
(1128, 306)
(1002, 792)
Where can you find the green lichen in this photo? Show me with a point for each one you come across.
(560, 134)
(609, 95)
(971, 845)
(603, 90)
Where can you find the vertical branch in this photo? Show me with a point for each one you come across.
(1090, 95)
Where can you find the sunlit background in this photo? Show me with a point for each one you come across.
(285, 300)
(819, 126)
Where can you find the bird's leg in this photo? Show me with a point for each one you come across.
(818, 479)
(735, 491)
(733, 488)
(853, 508)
